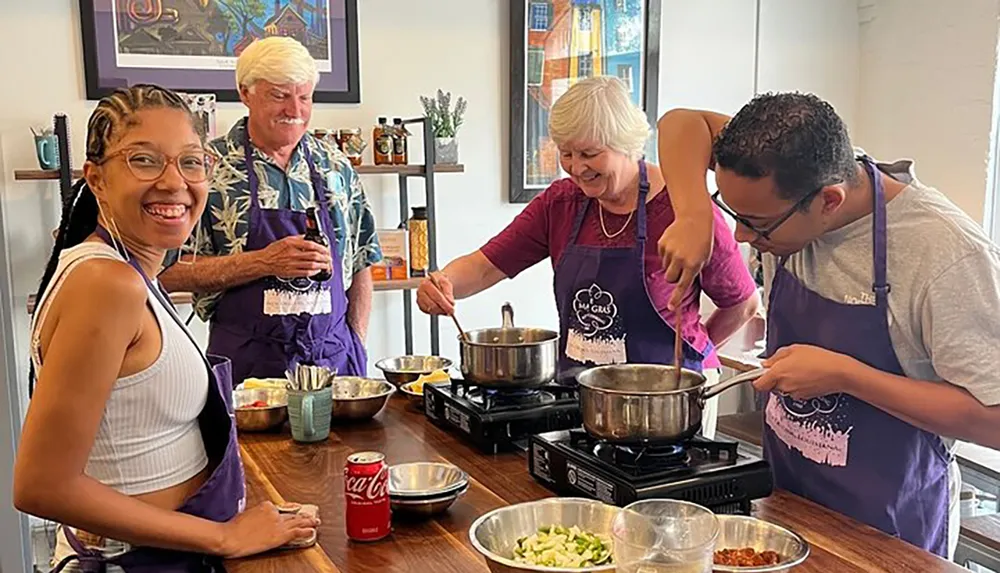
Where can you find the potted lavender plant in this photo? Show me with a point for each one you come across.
(444, 124)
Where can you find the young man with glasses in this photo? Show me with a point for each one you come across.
(882, 340)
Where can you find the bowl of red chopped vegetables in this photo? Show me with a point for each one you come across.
(260, 409)
(749, 545)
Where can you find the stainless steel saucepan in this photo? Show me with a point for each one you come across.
(644, 404)
(509, 357)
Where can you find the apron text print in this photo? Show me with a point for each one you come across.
(595, 312)
(815, 437)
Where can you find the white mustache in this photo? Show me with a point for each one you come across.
(292, 120)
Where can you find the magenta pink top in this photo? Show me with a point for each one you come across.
(543, 228)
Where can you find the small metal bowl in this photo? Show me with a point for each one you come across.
(254, 419)
(739, 531)
(424, 507)
(425, 480)
(359, 398)
(403, 369)
(417, 398)
(495, 533)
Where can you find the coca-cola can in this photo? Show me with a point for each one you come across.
(366, 492)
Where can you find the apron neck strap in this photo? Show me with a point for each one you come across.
(157, 289)
(881, 285)
(585, 202)
(318, 185)
(641, 204)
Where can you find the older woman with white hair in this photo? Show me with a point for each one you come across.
(272, 298)
(600, 227)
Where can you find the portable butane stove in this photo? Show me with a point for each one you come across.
(707, 472)
(501, 420)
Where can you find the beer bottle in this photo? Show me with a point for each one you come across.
(314, 234)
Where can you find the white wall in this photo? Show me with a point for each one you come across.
(926, 91)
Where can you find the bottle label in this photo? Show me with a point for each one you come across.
(383, 145)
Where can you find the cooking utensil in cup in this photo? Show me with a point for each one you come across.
(309, 414)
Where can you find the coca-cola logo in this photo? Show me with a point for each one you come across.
(367, 488)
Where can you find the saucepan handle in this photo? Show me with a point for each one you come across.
(730, 382)
(507, 312)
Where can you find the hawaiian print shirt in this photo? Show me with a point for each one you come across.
(223, 226)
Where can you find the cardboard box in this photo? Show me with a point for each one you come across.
(394, 265)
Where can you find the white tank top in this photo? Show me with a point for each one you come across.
(149, 438)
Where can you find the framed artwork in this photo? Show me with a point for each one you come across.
(553, 44)
(192, 45)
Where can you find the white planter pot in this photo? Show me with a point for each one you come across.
(446, 150)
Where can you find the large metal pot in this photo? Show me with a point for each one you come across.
(643, 403)
(509, 357)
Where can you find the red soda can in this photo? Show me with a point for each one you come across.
(366, 491)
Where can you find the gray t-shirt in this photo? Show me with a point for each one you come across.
(944, 306)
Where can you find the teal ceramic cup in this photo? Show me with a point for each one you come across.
(47, 150)
(309, 414)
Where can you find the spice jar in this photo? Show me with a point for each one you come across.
(399, 134)
(419, 251)
(352, 144)
(382, 140)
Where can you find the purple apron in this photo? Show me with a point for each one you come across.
(269, 325)
(605, 313)
(843, 452)
(219, 499)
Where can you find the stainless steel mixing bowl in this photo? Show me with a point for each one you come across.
(419, 508)
(495, 533)
(403, 369)
(359, 398)
(263, 418)
(419, 480)
(739, 531)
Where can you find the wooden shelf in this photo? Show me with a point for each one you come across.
(52, 174)
(406, 284)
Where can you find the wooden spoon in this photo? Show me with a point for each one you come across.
(461, 332)
(678, 327)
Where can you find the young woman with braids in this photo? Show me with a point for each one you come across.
(128, 441)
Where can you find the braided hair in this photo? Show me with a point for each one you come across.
(114, 114)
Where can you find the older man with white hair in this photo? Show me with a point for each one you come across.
(599, 227)
(272, 298)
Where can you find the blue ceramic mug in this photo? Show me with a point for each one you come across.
(47, 149)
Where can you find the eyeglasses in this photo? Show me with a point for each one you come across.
(195, 166)
(764, 232)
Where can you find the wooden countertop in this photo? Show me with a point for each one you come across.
(280, 470)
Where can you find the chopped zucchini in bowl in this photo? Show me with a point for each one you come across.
(558, 546)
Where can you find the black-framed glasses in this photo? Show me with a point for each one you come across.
(195, 165)
(764, 232)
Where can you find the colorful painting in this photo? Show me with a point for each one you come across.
(555, 43)
(192, 45)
